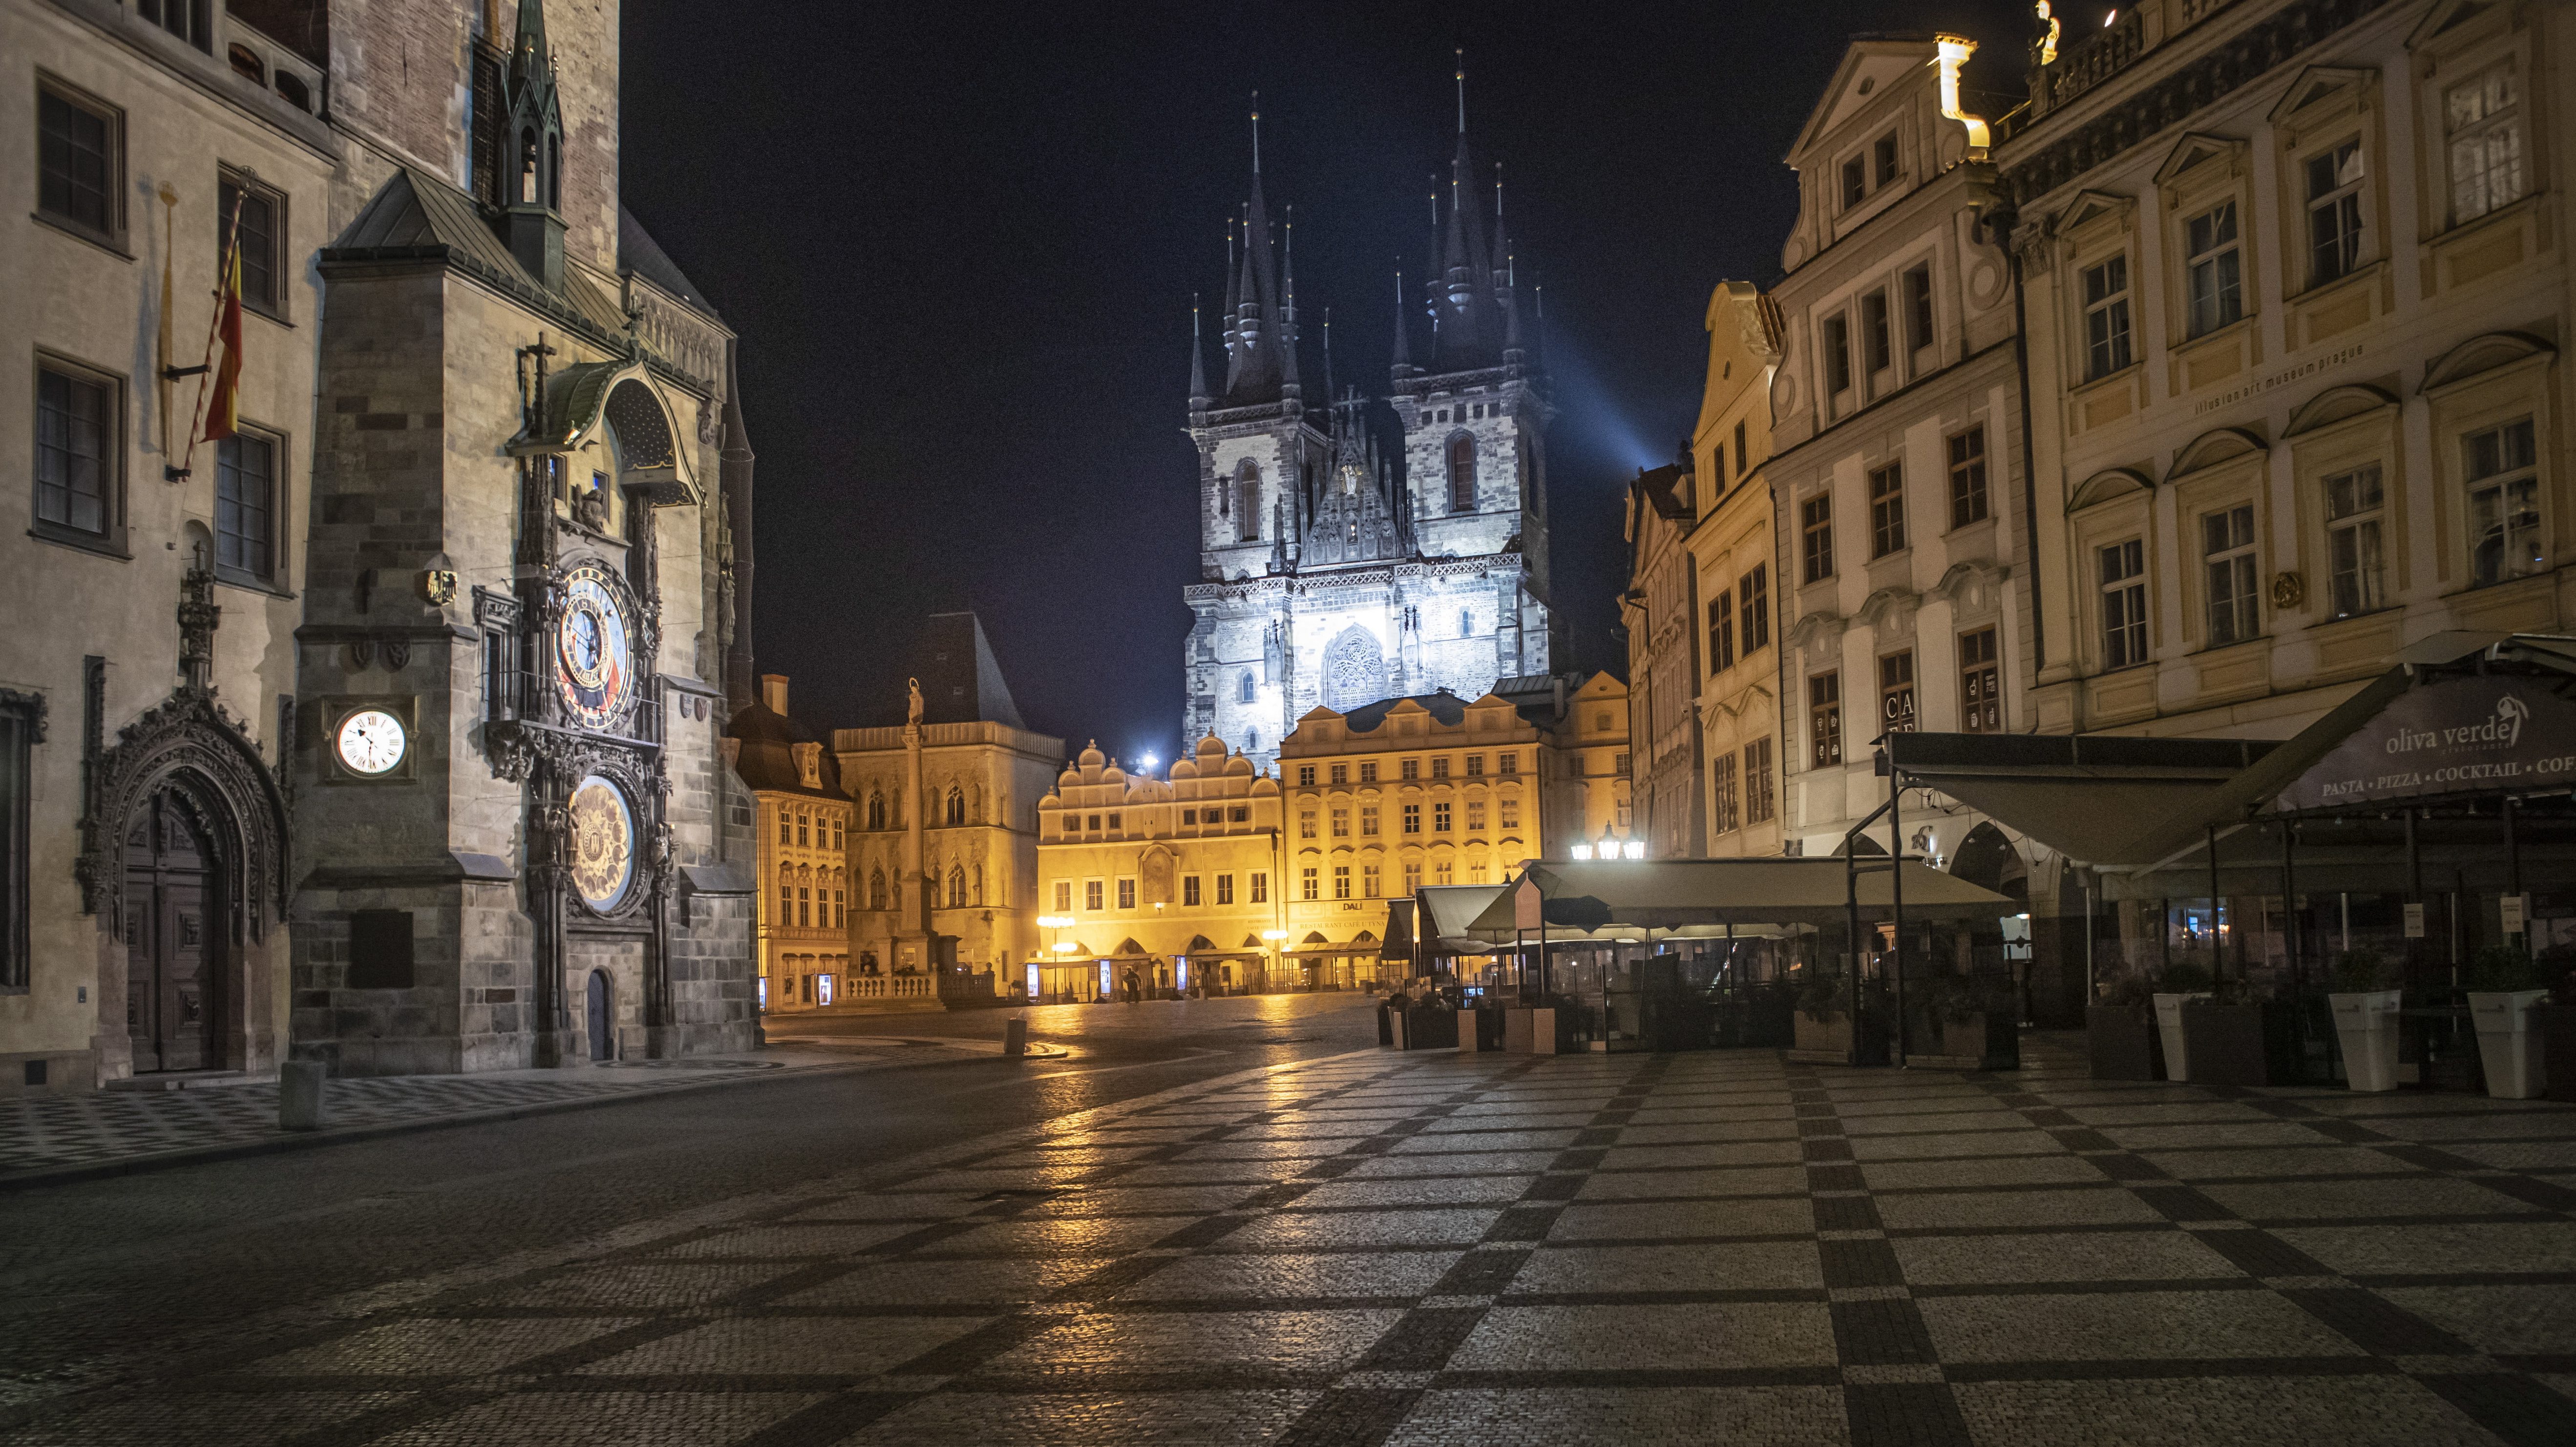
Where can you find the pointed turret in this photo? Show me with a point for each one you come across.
(1402, 366)
(1261, 329)
(532, 206)
(1198, 362)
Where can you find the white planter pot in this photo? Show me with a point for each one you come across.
(2169, 1025)
(2366, 1024)
(2503, 1019)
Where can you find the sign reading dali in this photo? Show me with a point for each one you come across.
(2493, 733)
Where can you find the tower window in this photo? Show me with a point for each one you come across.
(1466, 623)
(1244, 690)
(527, 164)
(1462, 474)
(1247, 511)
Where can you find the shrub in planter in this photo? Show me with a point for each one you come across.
(1825, 1027)
(2175, 984)
(2120, 1030)
(2226, 1036)
(2364, 1002)
(2503, 984)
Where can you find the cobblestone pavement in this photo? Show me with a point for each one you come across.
(43, 1134)
(1377, 1247)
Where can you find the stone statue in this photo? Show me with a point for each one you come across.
(912, 708)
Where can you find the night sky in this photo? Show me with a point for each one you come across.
(960, 245)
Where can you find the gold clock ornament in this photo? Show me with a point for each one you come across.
(603, 843)
(594, 649)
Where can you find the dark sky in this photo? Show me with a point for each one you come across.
(959, 243)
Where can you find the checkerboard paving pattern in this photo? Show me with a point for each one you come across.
(39, 1133)
(1418, 1249)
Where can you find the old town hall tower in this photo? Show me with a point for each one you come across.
(1333, 576)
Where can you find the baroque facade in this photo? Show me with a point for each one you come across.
(420, 700)
(1334, 575)
(943, 859)
(802, 902)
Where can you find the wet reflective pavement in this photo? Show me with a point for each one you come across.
(1358, 1246)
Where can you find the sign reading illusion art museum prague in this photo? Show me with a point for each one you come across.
(2492, 734)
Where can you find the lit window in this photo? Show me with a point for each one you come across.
(1225, 889)
(1190, 890)
(1412, 818)
(1093, 894)
(1127, 893)
(1440, 817)
(1896, 692)
(2504, 510)
(1511, 813)
(2354, 501)
(1475, 817)
(1825, 719)
(1887, 509)
(2334, 212)
(2484, 119)
(1968, 477)
(1723, 799)
(1759, 797)
(2214, 280)
(2124, 604)
(1341, 881)
(2227, 552)
(1981, 701)
(2106, 317)
(1342, 823)
(1305, 823)
(1369, 888)
(1308, 883)
(1260, 888)
(1063, 896)
(1368, 821)
(1412, 875)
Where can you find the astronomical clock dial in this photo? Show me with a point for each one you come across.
(594, 649)
(371, 742)
(603, 843)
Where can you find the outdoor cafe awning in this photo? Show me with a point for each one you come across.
(1448, 914)
(1610, 898)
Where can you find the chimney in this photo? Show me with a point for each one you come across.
(773, 692)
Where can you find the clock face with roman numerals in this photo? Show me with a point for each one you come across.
(371, 743)
(594, 649)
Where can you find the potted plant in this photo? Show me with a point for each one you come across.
(2503, 984)
(2120, 1030)
(2365, 1018)
(2224, 1037)
(1826, 1032)
(2553, 1022)
(1963, 1022)
(2175, 984)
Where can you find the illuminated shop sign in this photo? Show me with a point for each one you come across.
(2458, 736)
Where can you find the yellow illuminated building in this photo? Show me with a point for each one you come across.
(1174, 881)
(803, 825)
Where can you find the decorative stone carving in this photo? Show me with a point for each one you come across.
(189, 737)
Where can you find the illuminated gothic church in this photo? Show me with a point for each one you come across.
(1334, 576)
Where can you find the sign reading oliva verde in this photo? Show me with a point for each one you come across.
(2457, 736)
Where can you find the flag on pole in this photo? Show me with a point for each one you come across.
(223, 410)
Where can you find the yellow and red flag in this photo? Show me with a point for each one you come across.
(223, 410)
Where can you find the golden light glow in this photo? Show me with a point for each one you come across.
(2048, 43)
(1955, 51)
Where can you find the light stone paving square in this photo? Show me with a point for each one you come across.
(832, 1346)
(1743, 1181)
(946, 1283)
(1755, 1216)
(2337, 1411)
(1740, 1153)
(1090, 1419)
(2020, 1142)
(1748, 1265)
(2305, 1161)
(2123, 1325)
(2380, 1196)
(2005, 1171)
(1277, 1340)
(606, 1418)
(434, 1347)
(2059, 1256)
(2398, 1250)
(2500, 1320)
(1618, 1417)
(1700, 1336)
(1266, 1278)
(1968, 1210)
(2284, 1134)
(1341, 1230)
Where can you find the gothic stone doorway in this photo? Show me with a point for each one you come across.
(174, 938)
(603, 1045)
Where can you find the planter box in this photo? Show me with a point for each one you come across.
(1835, 1042)
(1990, 1041)
(2555, 1027)
(2505, 1044)
(1536, 1030)
(2125, 1043)
(2169, 1026)
(1430, 1027)
(2224, 1044)
(2366, 1027)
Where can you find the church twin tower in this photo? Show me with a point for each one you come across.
(1330, 575)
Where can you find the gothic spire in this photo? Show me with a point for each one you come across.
(1403, 362)
(1261, 320)
(1198, 361)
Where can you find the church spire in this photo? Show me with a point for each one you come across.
(1261, 321)
(1198, 361)
(1403, 361)
(532, 203)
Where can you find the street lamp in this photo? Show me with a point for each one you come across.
(1274, 938)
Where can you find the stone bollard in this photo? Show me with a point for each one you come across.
(299, 1094)
(1015, 1037)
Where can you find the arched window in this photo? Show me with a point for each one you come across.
(956, 806)
(979, 884)
(1466, 623)
(528, 164)
(1243, 690)
(1247, 508)
(1252, 741)
(554, 173)
(1462, 473)
(876, 811)
(876, 889)
(956, 887)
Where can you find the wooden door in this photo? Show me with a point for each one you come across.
(171, 941)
